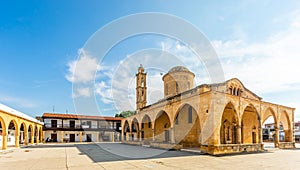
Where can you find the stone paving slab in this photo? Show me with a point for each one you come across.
(97, 156)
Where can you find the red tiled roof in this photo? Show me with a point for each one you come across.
(74, 116)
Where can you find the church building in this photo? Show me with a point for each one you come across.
(217, 118)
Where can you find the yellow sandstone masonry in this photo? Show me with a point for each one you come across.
(218, 118)
(18, 128)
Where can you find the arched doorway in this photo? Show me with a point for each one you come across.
(187, 127)
(250, 126)
(126, 131)
(12, 134)
(285, 134)
(135, 129)
(146, 128)
(23, 134)
(2, 133)
(269, 123)
(229, 125)
(162, 126)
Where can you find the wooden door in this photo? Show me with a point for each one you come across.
(72, 137)
(89, 137)
(53, 137)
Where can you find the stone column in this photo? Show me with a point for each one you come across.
(126, 136)
(122, 132)
(140, 135)
(4, 142)
(17, 138)
(131, 137)
(37, 137)
(32, 138)
(276, 137)
(172, 135)
(153, 135)
(287, 136)
(26, 138)
(80, 136)
(62, 136)
(97, 136)
(113, 136)
(293, 128)
(259, 135)
(238, 134)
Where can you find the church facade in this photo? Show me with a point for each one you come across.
(216, 118)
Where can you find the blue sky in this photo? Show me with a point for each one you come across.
(257, 41)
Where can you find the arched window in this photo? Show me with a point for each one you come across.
(230, 90)
(190, 115)
(177, 88)
(167, 89)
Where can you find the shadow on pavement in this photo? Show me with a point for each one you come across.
(108, 152)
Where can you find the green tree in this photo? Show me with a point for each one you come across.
(125, 113)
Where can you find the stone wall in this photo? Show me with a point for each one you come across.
(231, 148)
(166, 145)
(286, 145)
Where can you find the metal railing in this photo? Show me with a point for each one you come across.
(67, 126)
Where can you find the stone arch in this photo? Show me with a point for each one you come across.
(285, 133)
(229, 125)
(187, 126)
(250, 125)
(135, 129)
(23, 133)
(13, 133)
(126, 130)
(162, 126)
(269, 131)
(3, 133)
(268, 113)
(146, 127)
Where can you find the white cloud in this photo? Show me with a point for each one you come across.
(268, 66)
(188, 59)
(104, 91)
(83, 69)
(85, 92)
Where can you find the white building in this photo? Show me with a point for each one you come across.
(80, 128)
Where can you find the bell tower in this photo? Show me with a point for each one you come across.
(141, 89)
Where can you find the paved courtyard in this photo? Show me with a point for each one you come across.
(121, 156)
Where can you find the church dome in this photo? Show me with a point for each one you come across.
(178, 80)
(178, 69)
